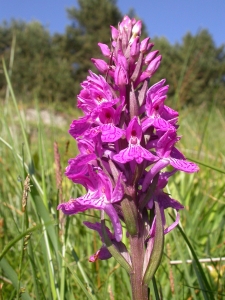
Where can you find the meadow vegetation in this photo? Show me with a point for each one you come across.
(43, 254)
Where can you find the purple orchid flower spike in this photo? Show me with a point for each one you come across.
(126, 137)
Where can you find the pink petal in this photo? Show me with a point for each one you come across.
(162, 124)
(184, 165)
(136, 152)
(105, 49)
(111, 133)
(78, 127)
(118, 192)
(111, 212)
(81, 204)
(172, 226)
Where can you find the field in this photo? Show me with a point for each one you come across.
(44, 255)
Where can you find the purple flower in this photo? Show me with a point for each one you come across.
(103, 253)
(101, 195)
(96, 94)
(164, 200)
(134, 151)
(168, 155)
(155, 97)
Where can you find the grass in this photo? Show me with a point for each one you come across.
(44, 255)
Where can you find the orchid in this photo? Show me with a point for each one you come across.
(126, 139)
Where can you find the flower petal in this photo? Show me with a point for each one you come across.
(111, 212)
(74, 206)
(78, 127)
(172, 226)
(136, 152)
(103, 254)
(184, 165)
(165, 201)
(111, 133)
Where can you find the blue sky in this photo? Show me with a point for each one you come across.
(169, 18)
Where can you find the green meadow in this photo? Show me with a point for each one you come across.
(44, 255)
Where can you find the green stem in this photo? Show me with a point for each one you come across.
(139, 290)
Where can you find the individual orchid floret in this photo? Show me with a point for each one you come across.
(151, 56)
(145, 45)
(121, 74)
(153, 65)
(168, 155)
(103, 253)
(134, 151)
(109, 132)
(169, 115)
(126, 138)
(96, 93)
(136, 31)
(151, 69)
(100, 195)
(78, 166)
(114, 32)
(78, 127)
(135, 48)
(125, 25)
(155, 98)
(164, 200)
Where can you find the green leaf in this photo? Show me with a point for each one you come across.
(203, 282)
(130, 215)
(11, 275)
(157, 250)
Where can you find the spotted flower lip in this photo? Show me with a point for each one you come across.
(134, 151)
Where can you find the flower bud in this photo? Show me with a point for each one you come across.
(137, 28)
(100, 64)
(125, 25)
(114, 33)
(144, 45)
(135, 47)
(151, 56)
(105, 49)
(154, 65)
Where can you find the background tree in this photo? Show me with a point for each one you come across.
(90, 25)
(194, 69)
(38, 68)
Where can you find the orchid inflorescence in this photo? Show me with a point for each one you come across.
(126, 138)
